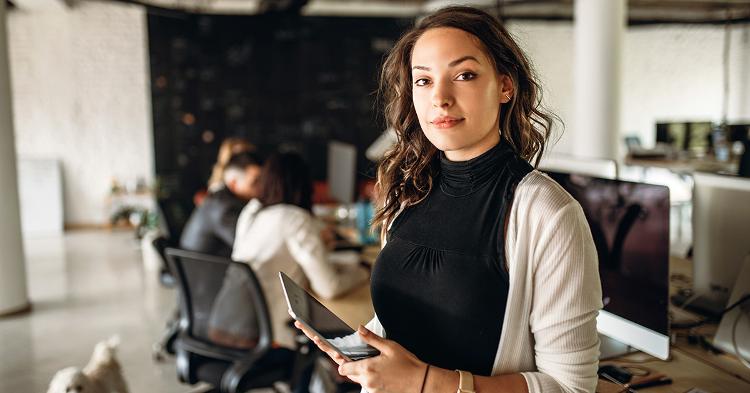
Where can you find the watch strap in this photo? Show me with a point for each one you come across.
(465, 382)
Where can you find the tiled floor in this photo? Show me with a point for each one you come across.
(85, 287)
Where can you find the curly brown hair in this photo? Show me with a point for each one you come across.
(405, 175)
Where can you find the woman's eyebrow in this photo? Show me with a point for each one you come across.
(461, 60)
(451, 64)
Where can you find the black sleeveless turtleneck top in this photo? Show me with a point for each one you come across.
(440, 285)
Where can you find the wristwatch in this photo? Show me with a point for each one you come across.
(465, 382)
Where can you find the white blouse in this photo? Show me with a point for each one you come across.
(549, 331)
(287, 238)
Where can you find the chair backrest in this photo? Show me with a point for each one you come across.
(204, 282)
(160, 244)
(174, 214)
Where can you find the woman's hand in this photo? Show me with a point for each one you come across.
(321, 344)
(395, 370)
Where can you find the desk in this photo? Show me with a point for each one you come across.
(355, 307)
(690, 366)
(687, 166)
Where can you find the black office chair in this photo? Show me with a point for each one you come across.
(160, 244)
(175, 214)
(200, 279)
(164, 346)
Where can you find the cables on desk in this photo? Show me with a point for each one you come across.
(690, 325)
(734, 339)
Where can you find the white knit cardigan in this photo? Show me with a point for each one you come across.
(549, 331)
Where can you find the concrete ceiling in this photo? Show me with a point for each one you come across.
(639, 11)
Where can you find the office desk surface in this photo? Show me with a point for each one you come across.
(687, 166)
(688, 370)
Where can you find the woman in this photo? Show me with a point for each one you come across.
(489, 267)
(276, 232)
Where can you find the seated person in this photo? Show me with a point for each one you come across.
(277, 232)
(211, 227)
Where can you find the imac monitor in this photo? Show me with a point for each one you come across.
(674, 134)
(721, 238)
(630, 226)
(342, 170)
(744, 167)
(739, 132)
(699, 136)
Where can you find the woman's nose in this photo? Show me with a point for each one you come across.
(441, 96)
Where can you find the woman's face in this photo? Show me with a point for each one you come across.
(457, 93)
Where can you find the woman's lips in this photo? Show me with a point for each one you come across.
(445, 122)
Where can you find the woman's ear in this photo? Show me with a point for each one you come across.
(505, 87)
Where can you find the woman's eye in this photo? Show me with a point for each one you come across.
(421, 82)
(466, 76)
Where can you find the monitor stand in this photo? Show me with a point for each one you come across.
(611, 348)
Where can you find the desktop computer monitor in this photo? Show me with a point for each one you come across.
(721, 235)
(672, 133)
(693, 137)
(342, 171)
(738, 132)
(699, 137)
(598, 167)
(630, 226)
(743, 169)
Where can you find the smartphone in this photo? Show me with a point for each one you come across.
(619, 374)
(304, 308)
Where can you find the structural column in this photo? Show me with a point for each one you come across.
(599, 34)
(13, 292)
(739, 75)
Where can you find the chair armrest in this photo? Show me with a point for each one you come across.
(232, 378)
(214, 351)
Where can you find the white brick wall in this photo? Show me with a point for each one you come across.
(81, 94)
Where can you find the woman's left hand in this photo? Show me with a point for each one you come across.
(394, 370)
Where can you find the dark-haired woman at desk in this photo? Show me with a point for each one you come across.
(277, 232)
(489, 267)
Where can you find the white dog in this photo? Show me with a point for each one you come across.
(102, 375)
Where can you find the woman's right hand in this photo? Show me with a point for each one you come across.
(335, 356)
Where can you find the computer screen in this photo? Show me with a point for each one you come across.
(630, 226)
(672, 133)
(743, 169)
(739, 132)
(342, 171)
(721, 233)
(699, 137)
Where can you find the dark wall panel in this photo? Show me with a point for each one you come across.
(280, 81)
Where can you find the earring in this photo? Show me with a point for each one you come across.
(507, 96)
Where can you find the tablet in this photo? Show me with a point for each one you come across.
(304, 308)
